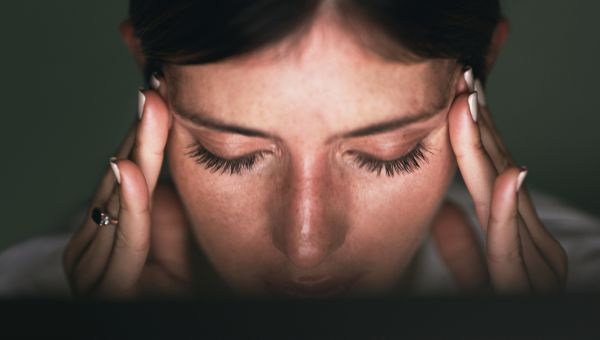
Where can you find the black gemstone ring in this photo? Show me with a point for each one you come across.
(101, 218)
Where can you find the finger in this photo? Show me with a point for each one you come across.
(506, 265)
(486, 117)
(473, 161)
(542, 277)
(90, 265)
(148, 151)
(107, 185)
(550, 249)
(82, 236)
(541, 273)
(495, 136)
(549, 255)
(132, 235)
(459, 247)
(499, 158)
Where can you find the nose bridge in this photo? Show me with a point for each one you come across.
(309, 232)
(308, 206)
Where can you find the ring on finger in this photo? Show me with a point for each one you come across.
(101, 218)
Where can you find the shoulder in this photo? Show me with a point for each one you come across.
(34, 268)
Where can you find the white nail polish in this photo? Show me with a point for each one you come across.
(141, 103)
(154, 82)
(115, 169)
(473, 106)
(521, 178)
(469, 79)
(480, 93)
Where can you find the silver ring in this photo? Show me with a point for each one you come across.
(101, 218)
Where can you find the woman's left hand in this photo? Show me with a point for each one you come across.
(522, 257)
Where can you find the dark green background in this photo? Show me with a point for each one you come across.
(68, 92)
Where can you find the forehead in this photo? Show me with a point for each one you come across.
(324, 72)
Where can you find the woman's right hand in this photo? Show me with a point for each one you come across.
(521, 255)
(111, 261)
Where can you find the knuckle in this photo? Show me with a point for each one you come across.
(156, 152)
(512, 255)
(136, 211)
(138, 244)
(495, 220)
(478, 147)
(465, 152)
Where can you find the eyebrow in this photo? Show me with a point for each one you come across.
(390, 125)
(203, 120)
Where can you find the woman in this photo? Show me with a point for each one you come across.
(311, 147)
(310, 153)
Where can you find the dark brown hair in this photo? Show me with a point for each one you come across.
(196, 31)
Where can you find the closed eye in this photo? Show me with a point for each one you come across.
(407, 163)
(215, 163)
(404, 164)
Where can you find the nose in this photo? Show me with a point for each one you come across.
(311, 224)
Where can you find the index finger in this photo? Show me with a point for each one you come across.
(151, 137)
(475, 165)
(82, 236)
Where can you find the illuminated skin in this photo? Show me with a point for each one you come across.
(307, 209)
(306, 213)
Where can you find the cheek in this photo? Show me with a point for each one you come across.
(385, 218)
(392, 216)
(227, 212)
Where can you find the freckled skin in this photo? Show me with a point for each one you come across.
(306, 208)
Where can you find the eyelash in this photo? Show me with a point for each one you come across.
(404, 164)
(215, 163)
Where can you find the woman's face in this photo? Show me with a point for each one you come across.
(284, 161)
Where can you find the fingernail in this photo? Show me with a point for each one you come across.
(115, 169)
(141, 103)
(473, 106)
(480, 93)
(154, 82)
(521, 177)
(469, 79)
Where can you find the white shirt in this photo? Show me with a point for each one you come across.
(34, 268)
